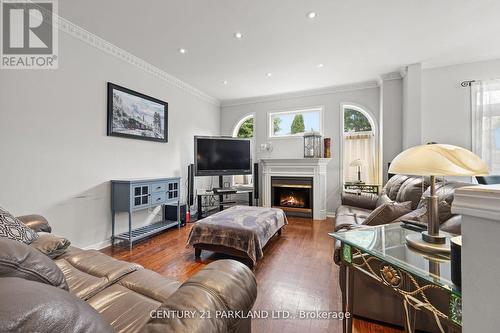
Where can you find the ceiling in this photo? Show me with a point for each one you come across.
(355, 40)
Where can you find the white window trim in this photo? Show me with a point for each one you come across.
(375, 130)
(270, 114)
(236, 129)
(240, 122)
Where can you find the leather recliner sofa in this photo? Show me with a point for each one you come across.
(371, 300)
(125, 295)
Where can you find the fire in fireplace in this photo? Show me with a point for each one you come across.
(292, 199)
(293, 194)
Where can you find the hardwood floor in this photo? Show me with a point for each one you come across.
(296, 273)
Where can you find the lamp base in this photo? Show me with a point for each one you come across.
(417, 242)
(435, 239)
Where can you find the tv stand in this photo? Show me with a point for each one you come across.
(206, 201)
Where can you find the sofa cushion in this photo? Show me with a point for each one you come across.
(23, 261)
(12, 228)
(350, 210)
(36, 307)
(347, 221)
(144, 289)
(150, 284)
(124, 309)
(412, 190)
(387, 213)
(50, 245)
(392, 186)
(88, 271)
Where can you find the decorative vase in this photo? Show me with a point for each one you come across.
(327, 143)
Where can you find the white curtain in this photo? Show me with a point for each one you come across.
(485, 101)
(360, 145)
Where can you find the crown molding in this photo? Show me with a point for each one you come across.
(391, 76)
(301, 94)
(91, 39)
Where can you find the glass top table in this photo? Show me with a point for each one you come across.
(388, 243)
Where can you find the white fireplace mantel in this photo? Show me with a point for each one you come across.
(298, 167)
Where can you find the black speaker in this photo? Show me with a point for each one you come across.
(190, 184)
(171, 213)
(256, 180)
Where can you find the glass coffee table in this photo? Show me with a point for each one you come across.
(419, 279)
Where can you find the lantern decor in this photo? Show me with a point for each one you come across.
(312, 144)
(327, 150)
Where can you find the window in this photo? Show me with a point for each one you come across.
(486, 123)
(295, 123)
(359, 147)
(244, 129)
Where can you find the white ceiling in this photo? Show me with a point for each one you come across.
(356, 40)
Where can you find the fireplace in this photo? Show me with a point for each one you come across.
(293, 194)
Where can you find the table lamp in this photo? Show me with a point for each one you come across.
(357, 163)
(435, 160)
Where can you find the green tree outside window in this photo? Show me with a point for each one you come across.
(246, 129)
(355, 121)
(297, 124)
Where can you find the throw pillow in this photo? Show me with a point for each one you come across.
(23, 261)
(387, 213)
(51, 245)
(12, 228)
(35, 307)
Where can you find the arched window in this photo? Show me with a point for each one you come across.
(245, 129)
(360, 162)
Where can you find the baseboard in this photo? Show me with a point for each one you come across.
(330, 214)
(99, 246)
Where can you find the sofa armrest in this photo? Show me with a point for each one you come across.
(364, 200)
(216, 295)
(36, 222)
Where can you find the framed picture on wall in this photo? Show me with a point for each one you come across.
(135, 115)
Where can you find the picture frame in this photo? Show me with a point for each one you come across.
(136, 116)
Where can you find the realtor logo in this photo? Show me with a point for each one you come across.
(29, 37)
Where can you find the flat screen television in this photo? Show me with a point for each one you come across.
(219, 156)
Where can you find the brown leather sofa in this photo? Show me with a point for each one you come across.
(372, 301)
(123, 294)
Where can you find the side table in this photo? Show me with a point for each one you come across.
(381, 253)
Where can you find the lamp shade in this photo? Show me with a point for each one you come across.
(356, 162)
(438, 160)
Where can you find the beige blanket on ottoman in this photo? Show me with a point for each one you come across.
(244, 228)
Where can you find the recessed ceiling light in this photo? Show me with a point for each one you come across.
(269, 74)
(238, 35)
(182, 51)
(311, 15)
(320, 66)
(224, 82)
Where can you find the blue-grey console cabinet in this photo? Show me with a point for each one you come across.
(129, 195)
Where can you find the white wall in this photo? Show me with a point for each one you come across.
(56, 157)
(412, 106)
(293, 147)
(446, 105)
(391, 121)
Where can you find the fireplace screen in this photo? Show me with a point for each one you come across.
(292, 194)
